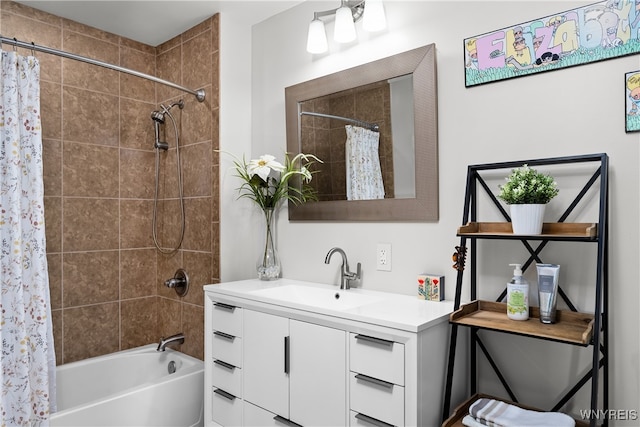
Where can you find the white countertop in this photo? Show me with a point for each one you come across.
(388, 309)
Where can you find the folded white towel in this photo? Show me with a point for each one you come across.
(492, 412)
(469, 421)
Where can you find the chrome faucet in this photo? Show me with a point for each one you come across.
(173, 339)
(345, 275)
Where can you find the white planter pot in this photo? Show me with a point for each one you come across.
(527, 219)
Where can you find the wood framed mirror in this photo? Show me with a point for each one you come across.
(402, 202)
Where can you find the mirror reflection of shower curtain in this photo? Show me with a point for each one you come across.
(364, 176)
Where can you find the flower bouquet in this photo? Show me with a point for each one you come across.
(268, 183)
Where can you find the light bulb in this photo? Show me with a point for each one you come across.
(317, 37)
(374, 18)
(345, 29)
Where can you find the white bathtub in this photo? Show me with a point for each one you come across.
(131, 388)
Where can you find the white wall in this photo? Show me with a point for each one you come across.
(573, 111)
(235, 138)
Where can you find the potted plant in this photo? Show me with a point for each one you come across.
(528, 191)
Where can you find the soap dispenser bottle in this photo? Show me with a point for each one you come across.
(518, 295)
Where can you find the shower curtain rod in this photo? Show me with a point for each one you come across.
(199, 94)
(371, 126)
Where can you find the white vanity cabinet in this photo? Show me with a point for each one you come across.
(267, 384)
(318, 374)
(294, 370)
(376, 392)
(376, 364)
(225, 362)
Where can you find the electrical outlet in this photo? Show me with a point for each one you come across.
(383, 257)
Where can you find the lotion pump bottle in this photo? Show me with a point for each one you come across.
(517, 295)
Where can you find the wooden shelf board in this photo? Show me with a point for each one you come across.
(550, 230)
(455, 420)
(570, 327)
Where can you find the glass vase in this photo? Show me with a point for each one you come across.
(268, 264)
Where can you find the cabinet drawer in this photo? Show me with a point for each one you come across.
(227, 348)
(226, 409)
(358, 419)
(377, 399)
(256, 416)
(377, 358)
(227, 318)
(227, 377)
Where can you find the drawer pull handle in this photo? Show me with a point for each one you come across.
(223, 335)
(374, 340)
(372, 421)
(375, 381)
(224, 394)
(224, 306)
(224, 364)
(285, 421)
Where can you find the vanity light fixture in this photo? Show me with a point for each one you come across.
(317, 37)
(349, 12)
(345, 27)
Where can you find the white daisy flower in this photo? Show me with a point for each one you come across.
(263, 166)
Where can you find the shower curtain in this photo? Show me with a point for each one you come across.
(27, 377)
(364, 177)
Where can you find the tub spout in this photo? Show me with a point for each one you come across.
(173, 339)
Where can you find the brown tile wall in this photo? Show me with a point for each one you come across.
(106, 277)
(326, 137)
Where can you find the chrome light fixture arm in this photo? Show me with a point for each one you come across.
(349, 12)
(356, 6)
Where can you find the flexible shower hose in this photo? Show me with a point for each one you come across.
(180, 191)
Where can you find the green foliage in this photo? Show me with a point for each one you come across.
(267, 182)
(528, 186)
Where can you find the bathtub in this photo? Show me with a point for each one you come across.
(131, 388)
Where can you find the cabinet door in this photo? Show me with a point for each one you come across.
(266, 384)
(318, 375)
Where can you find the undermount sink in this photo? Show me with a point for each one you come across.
(318, 297)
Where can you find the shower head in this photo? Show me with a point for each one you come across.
(158, 117)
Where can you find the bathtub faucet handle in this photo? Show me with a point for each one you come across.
(173, 339)
(179, 282)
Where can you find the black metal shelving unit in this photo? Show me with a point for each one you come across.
(572, 327)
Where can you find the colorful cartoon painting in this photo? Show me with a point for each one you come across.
(632, 95)
(600, 31)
